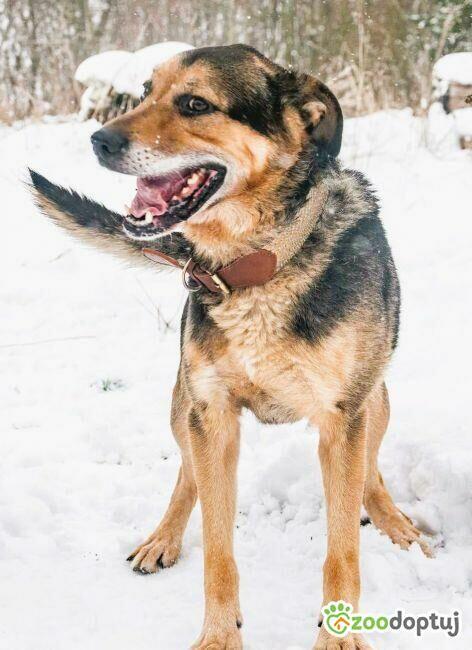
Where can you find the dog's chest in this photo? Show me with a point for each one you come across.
(254, 327)
(276, 374)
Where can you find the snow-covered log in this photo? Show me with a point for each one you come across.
(452, 80)
(452, 86)
(138, 69)
(101, 68)
(114, 80)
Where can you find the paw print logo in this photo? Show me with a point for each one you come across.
(337, 617)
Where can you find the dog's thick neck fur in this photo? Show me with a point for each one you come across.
(216, 247)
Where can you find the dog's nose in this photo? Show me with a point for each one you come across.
(108, 142)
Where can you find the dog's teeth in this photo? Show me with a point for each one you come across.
(148, 217)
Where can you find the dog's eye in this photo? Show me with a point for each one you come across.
(190, 105)
(147, 87)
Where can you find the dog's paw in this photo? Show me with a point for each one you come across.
(221, 631)
(326, 641)
(393, 522)
(405, 534)
(159, 551)
(219, 639)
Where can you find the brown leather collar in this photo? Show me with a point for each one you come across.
(250, 270)
(256, 268)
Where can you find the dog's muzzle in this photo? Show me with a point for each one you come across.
(109, 144)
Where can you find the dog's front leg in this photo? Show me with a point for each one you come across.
(342, 451)
(214, 433)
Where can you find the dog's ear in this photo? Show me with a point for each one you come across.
(322, 114)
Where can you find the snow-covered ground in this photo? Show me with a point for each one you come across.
(88, 355)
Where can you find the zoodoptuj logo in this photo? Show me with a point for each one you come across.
(339, 620)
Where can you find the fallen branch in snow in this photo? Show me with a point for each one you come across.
(58, 257)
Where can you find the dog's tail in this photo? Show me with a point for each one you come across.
(95, 224)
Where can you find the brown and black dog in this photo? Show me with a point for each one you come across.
(236, 155)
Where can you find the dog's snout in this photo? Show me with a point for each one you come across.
(108, 142)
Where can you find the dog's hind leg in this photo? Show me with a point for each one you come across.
(379, 504)
(162, 548)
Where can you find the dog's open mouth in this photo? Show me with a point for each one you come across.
(161, 202)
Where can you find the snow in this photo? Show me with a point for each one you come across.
(442, 135)
(463, 119)
(101, 69)
(138, 69)
(443, 130)
(86, 472)
(454, 67)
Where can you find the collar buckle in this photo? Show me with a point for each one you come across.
(220, 283)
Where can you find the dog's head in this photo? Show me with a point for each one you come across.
(212, 141)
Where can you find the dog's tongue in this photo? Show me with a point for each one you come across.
(154, 194)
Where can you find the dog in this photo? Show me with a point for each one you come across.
(293, 306)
